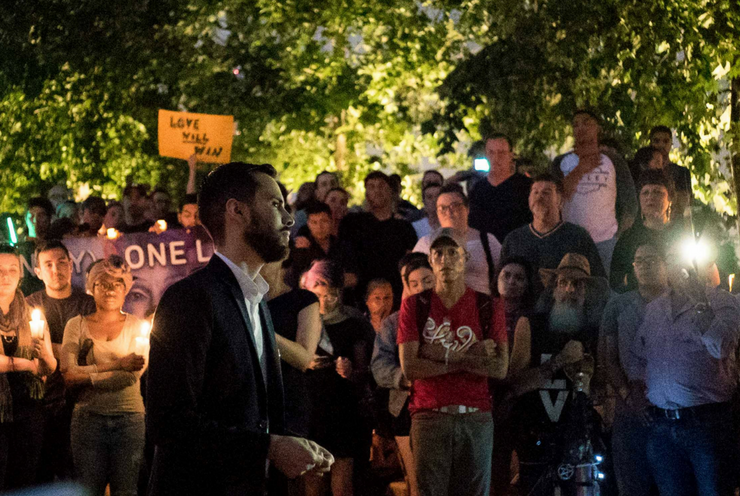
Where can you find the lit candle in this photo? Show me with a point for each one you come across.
(37, 325)
(162, 225)
(112, 233)
(142, 341)
(732, 279)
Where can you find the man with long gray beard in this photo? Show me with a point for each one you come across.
(566, 328)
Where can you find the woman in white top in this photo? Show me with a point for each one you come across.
(101, 358)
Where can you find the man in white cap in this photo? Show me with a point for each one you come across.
(450, 343)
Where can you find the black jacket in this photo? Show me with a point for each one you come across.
(208, 407)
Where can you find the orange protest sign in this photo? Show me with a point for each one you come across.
(208, 136)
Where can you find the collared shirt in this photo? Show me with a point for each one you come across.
(687, 361)
(622, 318)
(254, 290)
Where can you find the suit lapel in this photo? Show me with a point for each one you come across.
(226, 276)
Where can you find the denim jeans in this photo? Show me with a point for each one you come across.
(108, 449)
(452, 453)
(629, 447)
(694, 455)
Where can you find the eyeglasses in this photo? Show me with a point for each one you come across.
(110, 286)
(454, 206)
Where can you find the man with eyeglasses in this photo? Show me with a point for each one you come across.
(686, 351)
(450, 343)
(560, 333)
(623, 316)
(59, 301)
(484, 250)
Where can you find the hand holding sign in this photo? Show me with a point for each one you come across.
(184, 134)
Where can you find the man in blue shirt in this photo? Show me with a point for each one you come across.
(686, 348)
(622, 318)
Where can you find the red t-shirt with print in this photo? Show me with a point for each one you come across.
(458, 327)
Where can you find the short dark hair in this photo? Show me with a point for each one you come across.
(410, 258)
(95, 204)
(51, 244)
(113, 204)
(660, 247)
(375, 284)
(660, 129)
(548, 177)
(418, 262)
(643, 156)
(7, 249)
(40, 201)
(317, 207)
(340, 189)
(188, 199)
(656, 176)
(233, 180)
(455, 188)
(433, 172)
(139, 188)
(379, 175)
(323, 173)
(589, 112)
(495, 136)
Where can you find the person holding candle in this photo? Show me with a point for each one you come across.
(98, 355)
(58, 302)
(24, 361)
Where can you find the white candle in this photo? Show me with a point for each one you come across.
(37, 325)
(731, 280)
(142, 341)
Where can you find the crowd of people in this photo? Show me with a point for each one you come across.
(457, 335)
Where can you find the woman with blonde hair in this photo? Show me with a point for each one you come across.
(100, 356)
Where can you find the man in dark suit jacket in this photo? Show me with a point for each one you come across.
(214, 391)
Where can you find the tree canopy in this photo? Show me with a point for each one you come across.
(351, 86)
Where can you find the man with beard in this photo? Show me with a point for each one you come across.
(544, 343)
(545, 241)
(377, 238)
(214, 392)
(59, 302)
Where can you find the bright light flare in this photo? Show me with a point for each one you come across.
(695, 251)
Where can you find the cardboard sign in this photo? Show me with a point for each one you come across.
(208, 136)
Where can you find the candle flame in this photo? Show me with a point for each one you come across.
(36, 315)
(145, 328)
(112, 233)
(162, 224)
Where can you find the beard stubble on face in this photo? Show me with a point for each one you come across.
(266, 242)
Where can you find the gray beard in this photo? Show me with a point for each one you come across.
(566, 318)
